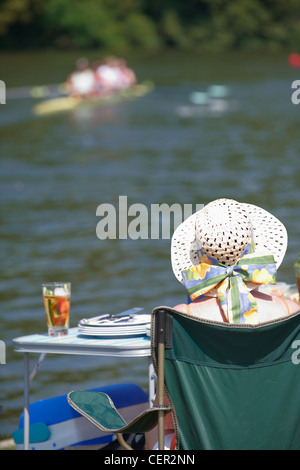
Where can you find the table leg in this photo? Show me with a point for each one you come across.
(26, 401)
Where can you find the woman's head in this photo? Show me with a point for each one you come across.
(222, 230)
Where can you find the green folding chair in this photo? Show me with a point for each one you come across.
(233, 387)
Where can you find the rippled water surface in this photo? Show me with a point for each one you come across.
(55, 171)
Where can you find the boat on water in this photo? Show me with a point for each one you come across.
(69, 103)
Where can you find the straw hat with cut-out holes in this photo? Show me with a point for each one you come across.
(222, 230)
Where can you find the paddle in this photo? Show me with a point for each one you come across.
(38, 91)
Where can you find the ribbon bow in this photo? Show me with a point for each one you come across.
(234, 297)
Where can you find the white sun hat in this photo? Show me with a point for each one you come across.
(222, 229)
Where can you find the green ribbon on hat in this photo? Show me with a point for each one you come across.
(234, 297)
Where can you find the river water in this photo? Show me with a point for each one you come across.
(55, 171)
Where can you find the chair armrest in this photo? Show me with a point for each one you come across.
(98, 408)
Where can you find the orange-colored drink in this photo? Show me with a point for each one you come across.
(57, 298)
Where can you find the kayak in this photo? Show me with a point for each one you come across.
(69, 103)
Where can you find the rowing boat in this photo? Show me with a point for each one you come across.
(69, 103)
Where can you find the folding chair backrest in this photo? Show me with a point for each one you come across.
(234, 387)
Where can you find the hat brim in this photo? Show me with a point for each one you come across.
(269, 233)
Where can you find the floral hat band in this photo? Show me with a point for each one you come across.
(234, 296)
(225, 250)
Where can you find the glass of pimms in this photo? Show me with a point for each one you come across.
(57, 297)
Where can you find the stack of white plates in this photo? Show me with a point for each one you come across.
(123, 324)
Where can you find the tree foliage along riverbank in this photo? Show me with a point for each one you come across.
(120, 25)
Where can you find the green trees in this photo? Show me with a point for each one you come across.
(118, 25)
(17, 11)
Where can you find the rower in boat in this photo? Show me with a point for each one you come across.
(82, 82)
(112, 75)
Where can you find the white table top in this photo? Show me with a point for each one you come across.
(72, 343)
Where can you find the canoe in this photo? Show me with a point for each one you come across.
(69, 103)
